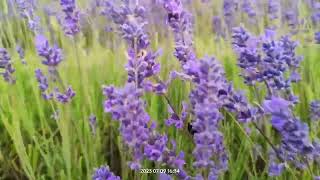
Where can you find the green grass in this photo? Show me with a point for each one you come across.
(35, 146)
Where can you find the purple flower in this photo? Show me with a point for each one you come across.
(317, 37)
(126, 106)
(6, 66)
(315, 110)
(26, 10)
(248, 8)
(265, 60)
(218, 26)
(93, 123)
(66, 96)
(275, 169)
(291, 16)
(174, 119)
(181, 23)
(71, 17)
(21, 53)
(315, 16)
(131, 24)
(52, 56)
(295, 143)
(164, 176)
(104, 173)
(273, 9)
(43, 84)
(229, 9)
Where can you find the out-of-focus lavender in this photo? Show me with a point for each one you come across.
(290, 14)
(273, 9)
(230, 8)
(93, 123)
(315, 12)
(21, 53)
(315, 110)
(66, 96)
(71, 17)
(104, 173)
(26, 9)
(43, 85)
(249, 8)
(52, 56)
(317, 37)
(217, 27)
(6, 67)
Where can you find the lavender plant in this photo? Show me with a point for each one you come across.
(71, 15)
(52, 57)
(6, 66)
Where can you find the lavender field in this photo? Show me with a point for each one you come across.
(159, 89)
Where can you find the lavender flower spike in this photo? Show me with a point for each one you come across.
(104, 173)
(6, 66)
(65, 97)
(52, 56)
(315, 110)
(317, 37)
(70, 21)
(43, 84)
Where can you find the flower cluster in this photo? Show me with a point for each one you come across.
(104, 173)
(6, 66)
(230, 8)
(71, 17)
(136, 128)
(212, 92)
(181, 23)
(26, 10)
(66, 96)
(295, 147)
(52, 56)
(43, 84)
(131, 22)
(266, 60)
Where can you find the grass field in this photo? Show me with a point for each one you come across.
(42, 139)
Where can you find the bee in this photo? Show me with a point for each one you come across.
(142, 54)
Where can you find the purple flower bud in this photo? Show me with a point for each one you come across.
(6, 66)
(52, 55)
(315, 110)
(71, 17)
(65, 97)
(93, 123)
(21, 53)
(317, 37)
(273, 9)
(275, 169)
(164, 176)
(104, 173)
